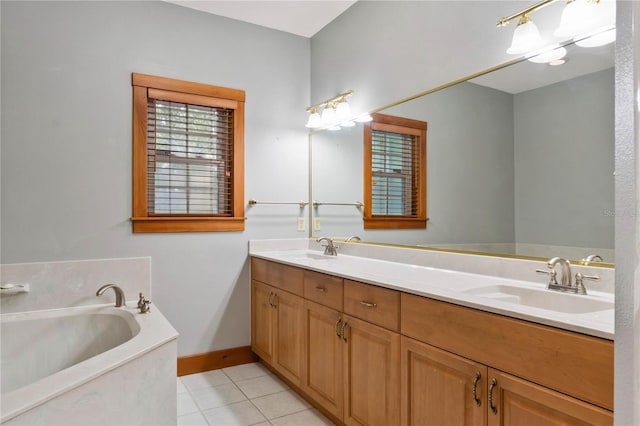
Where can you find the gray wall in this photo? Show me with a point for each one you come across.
(388, 50)
(66, 146)
(564, 162)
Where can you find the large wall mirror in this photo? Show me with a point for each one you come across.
(520, 162)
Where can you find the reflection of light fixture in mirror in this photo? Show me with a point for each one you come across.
(548, 54)
(526, 37)
(315, 120)
(577, 17)
(598, 38)
(364, 118)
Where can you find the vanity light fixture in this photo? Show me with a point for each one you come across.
(526, 37)
(553, 53)
(336, 113)
(579, 19)
(597, 38)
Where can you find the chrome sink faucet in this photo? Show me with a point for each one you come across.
(120, 299)
(565, 278)
(565, 270)
(330, 248)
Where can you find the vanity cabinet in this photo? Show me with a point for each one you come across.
(440, 388)
(516, 401)
(351, 365)
(529, 373)
(277, 317)
(369, 355)
(372, 374)
(323, 344)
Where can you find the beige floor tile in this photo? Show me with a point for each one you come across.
(193, 419)
(280, 404)
(239, 414)
(217, 396)
(207, 379)
(261, 386)
(310, 417)
(246, 371)
(180, 388)
(186, 404)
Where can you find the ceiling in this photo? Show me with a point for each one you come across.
(301, 17)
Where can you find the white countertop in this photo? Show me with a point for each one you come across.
(455, 287)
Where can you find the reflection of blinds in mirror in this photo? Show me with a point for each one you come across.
(394, 167)
(189, 159)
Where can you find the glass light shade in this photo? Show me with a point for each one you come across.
(549, 54)
(328, 116)
(314, 121)
(364, 118)
(599, 39)
(348, 124)
(526, 38)
(343, 111)
(577, 18)
(334, 128)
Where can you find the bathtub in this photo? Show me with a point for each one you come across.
(87, 365)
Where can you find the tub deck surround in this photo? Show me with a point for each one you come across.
(153, 338)
(366, 263)
(73, 283)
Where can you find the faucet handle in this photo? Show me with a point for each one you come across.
(552, 275)
(580, 289)
(580, 276)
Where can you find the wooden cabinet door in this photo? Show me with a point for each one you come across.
(372, 374)
(288, 330)
(514, 401)
(440, 388)
(262, 312)
(323, 346)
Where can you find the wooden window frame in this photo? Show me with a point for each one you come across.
(394, 124)
(192, 93)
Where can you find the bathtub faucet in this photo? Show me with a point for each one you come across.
(119, 294)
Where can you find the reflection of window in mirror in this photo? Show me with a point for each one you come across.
(395, 173)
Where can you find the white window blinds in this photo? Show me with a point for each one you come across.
(394, 166)
(189, 159)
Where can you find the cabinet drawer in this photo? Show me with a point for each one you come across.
(374, 304)
(323, 289)
(285, 277)
(571, 363)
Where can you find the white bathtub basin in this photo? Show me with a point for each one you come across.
(543, 299)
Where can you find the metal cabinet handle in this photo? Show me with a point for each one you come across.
(344, 326)
(321, 289)
(338, 328)
(270, 297)
(275, 300)
(476, 379)
(368, 304)
(494, 409)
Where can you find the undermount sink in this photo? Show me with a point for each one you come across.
(543, 299)
(312, 256)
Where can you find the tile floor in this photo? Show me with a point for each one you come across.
(243, 395)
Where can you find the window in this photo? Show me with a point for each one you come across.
(395, 175)
(188, 155)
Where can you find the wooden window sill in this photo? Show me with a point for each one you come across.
(187, 224)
